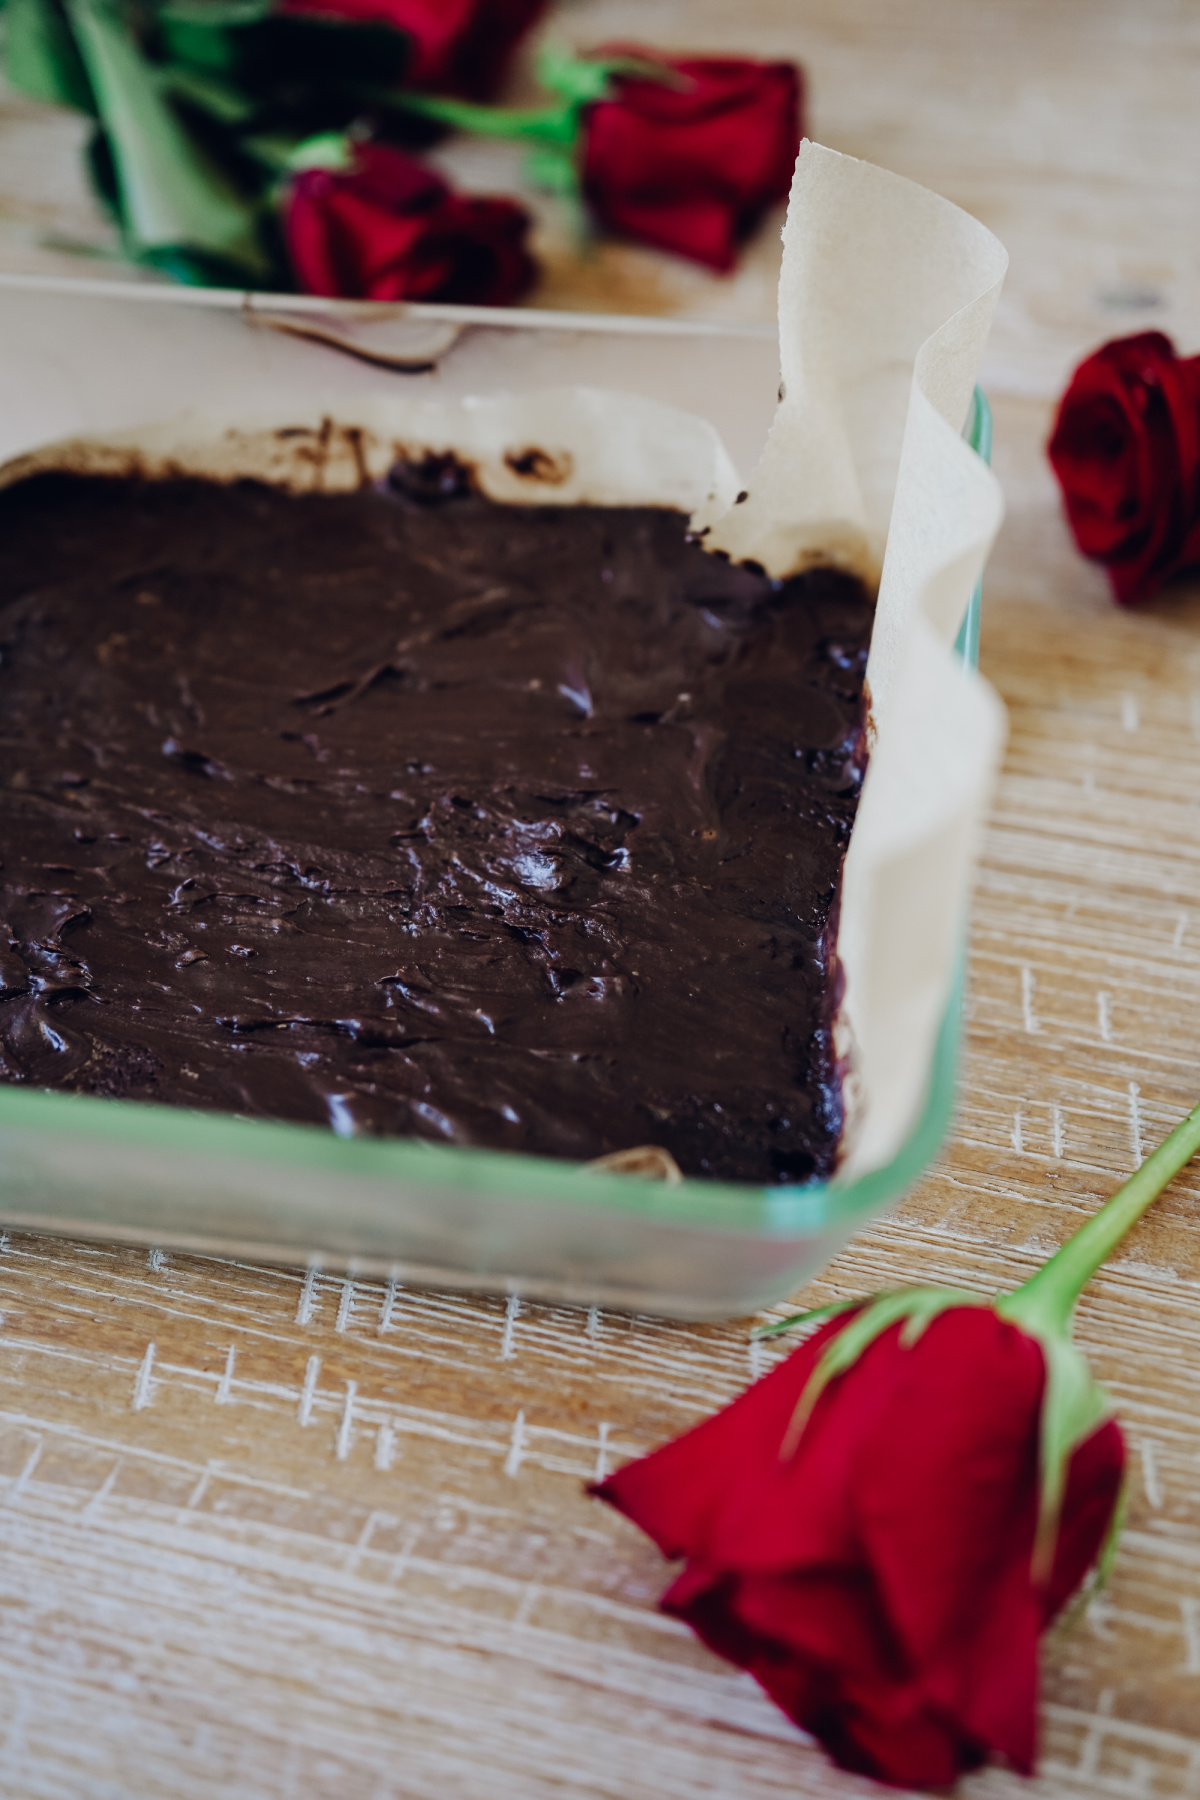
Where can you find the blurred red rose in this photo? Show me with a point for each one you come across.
(1126, 451)
(877, 1580)
(392, 229)
(457, 46)
(691, 166)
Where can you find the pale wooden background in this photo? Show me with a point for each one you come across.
(285, 1539)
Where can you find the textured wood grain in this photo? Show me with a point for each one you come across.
(282, 1537)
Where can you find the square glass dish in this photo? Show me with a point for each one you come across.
(421, 1213)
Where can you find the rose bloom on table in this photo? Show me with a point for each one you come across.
(881, 1529)
(388, 228)
(1126, 452)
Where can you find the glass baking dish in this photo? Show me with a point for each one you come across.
(422, 1213)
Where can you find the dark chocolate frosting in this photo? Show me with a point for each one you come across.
(411, 813)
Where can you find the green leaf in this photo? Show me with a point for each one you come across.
(174, 201)
(41, 57)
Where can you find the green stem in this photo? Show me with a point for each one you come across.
(549, 124)
(579, 82)
(1048, 1298)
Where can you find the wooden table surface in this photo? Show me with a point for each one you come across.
(279, 1537)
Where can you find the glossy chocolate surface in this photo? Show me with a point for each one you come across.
(405, 812)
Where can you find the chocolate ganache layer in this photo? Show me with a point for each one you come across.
(407, 812)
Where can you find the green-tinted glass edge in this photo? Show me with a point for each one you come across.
(775, 1211)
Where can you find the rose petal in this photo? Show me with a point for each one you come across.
(689, 166)
(676, 1494)
(1126, 451)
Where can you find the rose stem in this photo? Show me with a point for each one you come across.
(1054, 1290)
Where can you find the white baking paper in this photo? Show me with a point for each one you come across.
(885, 300)
(886, 295)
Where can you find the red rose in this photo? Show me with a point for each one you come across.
(392, 229)
(1126, 451)
(456, 46)
(691, 167)
(877, 1579)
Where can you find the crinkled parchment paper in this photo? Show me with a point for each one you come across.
(885, 300)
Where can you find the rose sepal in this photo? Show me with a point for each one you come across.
(323, 150)
(1073, 1406)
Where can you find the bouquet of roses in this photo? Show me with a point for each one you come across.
(276, 143)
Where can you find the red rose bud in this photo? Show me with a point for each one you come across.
(455, 46)
(877, 1581)
(881, 1528)
(389, 228)
(1126, 451)
(691, 163)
